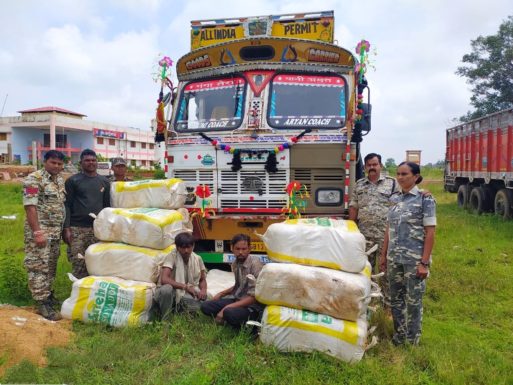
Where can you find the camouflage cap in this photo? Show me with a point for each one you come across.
(117, 161)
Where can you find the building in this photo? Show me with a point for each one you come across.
(40, 129)
(413, 156)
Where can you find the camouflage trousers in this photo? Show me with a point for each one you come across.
(406, 291)
(374, 261)
(82, 238)
(41, 266)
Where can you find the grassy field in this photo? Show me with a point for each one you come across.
(467, 339)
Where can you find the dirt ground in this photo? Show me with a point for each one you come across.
(25, 335)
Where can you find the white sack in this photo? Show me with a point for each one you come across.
(219, 280)
(125, 261)
(109, 300)
(325, 242)
(146, 227)
(164, 194)
(293, 330)
(332, 292)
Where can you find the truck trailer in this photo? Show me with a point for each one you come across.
(479, 164)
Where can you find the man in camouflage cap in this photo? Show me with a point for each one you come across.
(43, 199)
(119, 169)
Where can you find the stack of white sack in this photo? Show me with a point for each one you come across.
(325, 242)
(109, 300)
(219, 280)
(165, 194)
(331, 292)
(137, 235)
(318, 300)
(146, 227)
(294, 330)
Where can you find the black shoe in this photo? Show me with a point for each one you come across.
(46, 310)
(54, 302)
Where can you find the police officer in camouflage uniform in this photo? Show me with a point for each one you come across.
(87, 192)
(370, 203)
(406, 255)
(43, 199)
(119, 169)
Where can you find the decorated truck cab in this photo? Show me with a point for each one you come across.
(266, 123)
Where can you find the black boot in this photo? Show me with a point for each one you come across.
(46, 310)
(54, 302)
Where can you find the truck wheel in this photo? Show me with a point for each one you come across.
(503, 202)
(477, 200)
(463, 196)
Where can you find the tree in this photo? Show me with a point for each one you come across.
(489, 70)
(390, 163)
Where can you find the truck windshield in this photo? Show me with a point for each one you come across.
(211, 105)
(307, 101)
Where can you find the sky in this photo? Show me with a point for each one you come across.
(99, 57)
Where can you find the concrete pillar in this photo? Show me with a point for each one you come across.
(34, 154)
(52, 131)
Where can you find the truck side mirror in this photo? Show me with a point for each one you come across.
(366, 118)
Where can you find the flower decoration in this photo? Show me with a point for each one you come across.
(203, 192)
(362, 46)
(166, 62)
(362, 49)
(297, 199)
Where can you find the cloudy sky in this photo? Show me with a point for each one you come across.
(98, 57)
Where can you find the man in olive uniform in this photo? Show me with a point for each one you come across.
(119, 169)
(43, 199)
(86, 193)
(370, 203)
(369, 208)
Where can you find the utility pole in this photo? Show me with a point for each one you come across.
(3, 106)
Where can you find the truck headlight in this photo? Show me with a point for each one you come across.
(328, 197)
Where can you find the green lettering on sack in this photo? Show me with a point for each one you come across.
(326, 319)
(310, 317)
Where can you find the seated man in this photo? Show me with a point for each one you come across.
(183, 279)
(237, 304)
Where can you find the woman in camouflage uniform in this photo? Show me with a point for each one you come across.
(406, 254)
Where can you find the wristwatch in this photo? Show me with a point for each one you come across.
(425, 264)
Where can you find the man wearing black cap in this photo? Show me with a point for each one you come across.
(119, 169)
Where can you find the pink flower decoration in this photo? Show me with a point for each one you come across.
(363, 45)
(214, 142)
(165, 62)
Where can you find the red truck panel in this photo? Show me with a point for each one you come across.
(482, 148)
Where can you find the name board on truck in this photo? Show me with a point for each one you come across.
(317, 26)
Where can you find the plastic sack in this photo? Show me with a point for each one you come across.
(332, 292)
(125, 261)
(293, 330)
(219, 280)
(164, 194)
(325, 242)
(109, 300)
(146, 227)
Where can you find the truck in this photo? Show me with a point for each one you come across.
(479, 164)
(267, 109)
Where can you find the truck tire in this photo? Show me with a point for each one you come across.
(503, 203)
(477, 201)
(463, 196)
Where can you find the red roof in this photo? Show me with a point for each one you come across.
(52, 109)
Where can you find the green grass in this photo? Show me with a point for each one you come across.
(467, 333)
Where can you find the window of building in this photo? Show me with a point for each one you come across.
(99, 140)
(143, 145)
(132, 144)
(133, 162)
(143, 162)
(112, 142)
(151, 163)
(61, 141)
(3, 136)
(152, 146)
